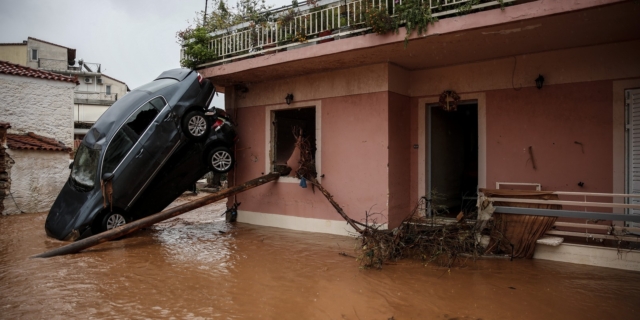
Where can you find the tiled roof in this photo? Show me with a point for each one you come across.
(18, 70)
(13, 44)
(5, 125)
(32, 141)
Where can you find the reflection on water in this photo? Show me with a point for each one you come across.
(197, 266)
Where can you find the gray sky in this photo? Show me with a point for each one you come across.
(134, 40)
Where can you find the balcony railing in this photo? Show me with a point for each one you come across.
(97, 98)
(312, 24)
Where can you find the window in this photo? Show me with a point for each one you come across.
(130, 132)
(84, 168)
(108, 90)
(284, 123)
(34, 54)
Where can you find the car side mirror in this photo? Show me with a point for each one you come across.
(107, 176)
(71, 165)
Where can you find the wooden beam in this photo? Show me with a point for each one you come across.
(155, 218)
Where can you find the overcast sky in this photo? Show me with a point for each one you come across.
(134, 40)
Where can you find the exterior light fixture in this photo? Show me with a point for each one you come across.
(539, 81)
(288, 98)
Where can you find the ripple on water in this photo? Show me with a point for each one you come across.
(198, 266)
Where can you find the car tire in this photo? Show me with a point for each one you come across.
(195, 125)
(220, 160)
(113, 220)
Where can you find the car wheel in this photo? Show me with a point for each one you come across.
(195, 125)
(113, 220)
(220, 160)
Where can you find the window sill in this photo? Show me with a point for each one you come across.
(286, 179)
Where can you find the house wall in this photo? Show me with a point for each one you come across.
(57, 55)
(539, 118)
(14, 53)
(36, 179)
(576, 103)
(354, 164)
(37, 105)
(399, 158)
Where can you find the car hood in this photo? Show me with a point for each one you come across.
(72, 212)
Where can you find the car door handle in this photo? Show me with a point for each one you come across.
(170, 116)
(139, 154)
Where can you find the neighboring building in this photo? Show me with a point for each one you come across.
(96, 91)
(382, 140)
(38, 105)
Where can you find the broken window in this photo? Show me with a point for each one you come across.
(129, 134)
(283, 140)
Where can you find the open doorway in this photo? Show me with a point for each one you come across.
(453, 157)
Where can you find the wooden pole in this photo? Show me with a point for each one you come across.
(336, 206)
(155, 218)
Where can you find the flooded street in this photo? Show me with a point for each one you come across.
(197, 266)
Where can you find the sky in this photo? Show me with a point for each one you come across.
(134, 40)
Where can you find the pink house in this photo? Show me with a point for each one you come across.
(383, 141)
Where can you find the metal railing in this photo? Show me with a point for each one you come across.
(592, 231)
(335, 19)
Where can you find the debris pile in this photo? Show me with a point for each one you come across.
(416, 237)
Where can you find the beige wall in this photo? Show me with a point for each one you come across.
(56, 54)
(14, 54)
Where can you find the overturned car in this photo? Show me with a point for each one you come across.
(142, 153)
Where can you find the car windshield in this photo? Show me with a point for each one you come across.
(85, 166)
(157, 85)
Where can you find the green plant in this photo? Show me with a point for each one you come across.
(416, 15)
(196, 47)
(196, 41)
(379, 20)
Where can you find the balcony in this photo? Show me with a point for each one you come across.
(94, 98)
(63, 67)
(325, 21)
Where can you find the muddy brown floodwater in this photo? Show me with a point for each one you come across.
(197, 266)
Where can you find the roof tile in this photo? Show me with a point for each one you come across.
(32, 141)
(18, 70)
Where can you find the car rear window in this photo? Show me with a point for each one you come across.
(157, 85)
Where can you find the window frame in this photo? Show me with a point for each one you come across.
(269, 136)
(141, 135)
(31, 54)
(107, 89)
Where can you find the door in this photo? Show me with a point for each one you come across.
(453, 158)
(632, 103)
(128, 156)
